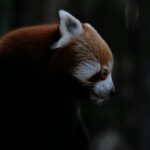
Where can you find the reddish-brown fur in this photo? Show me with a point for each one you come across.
(87, 46)
(97, 46)
(33, 43)
(29, 42)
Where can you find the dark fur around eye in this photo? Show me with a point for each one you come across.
(95, 78)
(104, 72)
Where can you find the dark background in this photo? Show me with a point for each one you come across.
(124, 122)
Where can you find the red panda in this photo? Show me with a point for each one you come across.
(46, 71)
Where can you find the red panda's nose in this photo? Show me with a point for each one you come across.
(112, 91)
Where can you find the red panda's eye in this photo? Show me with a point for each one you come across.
(104, 73)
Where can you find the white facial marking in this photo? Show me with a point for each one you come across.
(86, 70)
(69, 28)
(103, 88)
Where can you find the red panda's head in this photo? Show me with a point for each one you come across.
(85, 56)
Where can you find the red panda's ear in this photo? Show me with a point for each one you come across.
(69, 28)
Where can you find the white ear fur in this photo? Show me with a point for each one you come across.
(69, 28)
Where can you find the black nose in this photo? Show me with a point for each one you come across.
(112, 92)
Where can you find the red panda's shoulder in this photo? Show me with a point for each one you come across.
(29, 40)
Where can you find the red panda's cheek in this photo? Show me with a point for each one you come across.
(85, 70)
